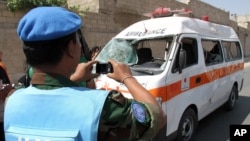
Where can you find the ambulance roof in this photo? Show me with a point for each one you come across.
(164, 26)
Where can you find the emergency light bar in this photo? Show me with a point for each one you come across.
(165, 12)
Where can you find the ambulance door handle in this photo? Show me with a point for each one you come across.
(198, 80)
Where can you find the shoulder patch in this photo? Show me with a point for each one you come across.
(139, 112)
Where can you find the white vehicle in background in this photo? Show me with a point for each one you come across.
(191, 66)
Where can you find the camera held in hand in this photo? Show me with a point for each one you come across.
(104, 68)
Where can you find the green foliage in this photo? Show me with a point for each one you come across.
(15, 5)
(76, 8)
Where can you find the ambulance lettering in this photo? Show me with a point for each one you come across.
(147, 32)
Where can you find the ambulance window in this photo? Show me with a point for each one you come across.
(152, 54)
(212, 52)
(191, 53)
(231, 50)
(190, 46)
(152, 49)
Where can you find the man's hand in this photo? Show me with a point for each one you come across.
(83, 72)
(121, 71)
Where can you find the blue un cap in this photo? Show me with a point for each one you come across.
(48, 23)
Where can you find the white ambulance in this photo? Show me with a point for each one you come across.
(191, 66)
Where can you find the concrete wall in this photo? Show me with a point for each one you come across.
(103, 21)
(10, 44)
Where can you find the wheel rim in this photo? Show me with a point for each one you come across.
(233, 98)
(187, 128)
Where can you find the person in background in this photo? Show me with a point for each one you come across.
(54, 107)
(1, 63)
(95, 51)
(4, 76)
(4, 90)
(5, 87)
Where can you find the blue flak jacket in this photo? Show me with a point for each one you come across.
(64, 114)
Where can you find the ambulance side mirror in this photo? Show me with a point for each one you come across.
(182, 59)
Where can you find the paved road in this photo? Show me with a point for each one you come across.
(215, 127)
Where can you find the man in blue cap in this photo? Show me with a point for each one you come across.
(54, 107)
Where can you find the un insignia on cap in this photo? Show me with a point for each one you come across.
(139, 112)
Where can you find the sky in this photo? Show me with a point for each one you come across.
(239, 7)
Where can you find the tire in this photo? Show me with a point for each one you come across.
(230, 104)
(187, 125)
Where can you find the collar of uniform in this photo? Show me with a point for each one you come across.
(51, 80)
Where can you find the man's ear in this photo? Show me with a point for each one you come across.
(70, 49)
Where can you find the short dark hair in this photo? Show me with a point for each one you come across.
(47, 52)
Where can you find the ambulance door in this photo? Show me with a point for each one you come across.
(186, 87)
(194, 84)
(214, 64)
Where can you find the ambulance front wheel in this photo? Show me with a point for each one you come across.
(187, 125)
(229, 105)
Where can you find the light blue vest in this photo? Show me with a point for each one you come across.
(64, 114)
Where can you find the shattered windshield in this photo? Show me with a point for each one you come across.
(144, 56)
(119, 50)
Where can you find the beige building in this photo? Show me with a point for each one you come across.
(104, 20)
(244, 25)
(242, 20)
